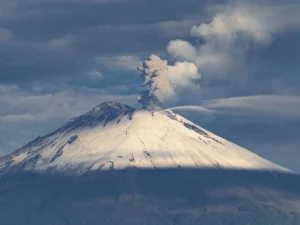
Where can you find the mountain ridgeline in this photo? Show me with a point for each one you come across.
(119, 165)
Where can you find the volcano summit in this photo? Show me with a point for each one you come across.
(116, 136)
(118, 165)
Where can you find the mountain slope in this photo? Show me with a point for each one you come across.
(120, 166)
(116, 136)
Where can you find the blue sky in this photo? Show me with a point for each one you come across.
(61, 58)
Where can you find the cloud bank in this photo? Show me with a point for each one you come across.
(223, 43)
(219, 50)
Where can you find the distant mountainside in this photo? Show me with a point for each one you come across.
(121, 166)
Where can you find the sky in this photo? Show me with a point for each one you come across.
(230, 66)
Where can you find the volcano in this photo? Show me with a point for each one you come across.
(116, 136)
(120, 165)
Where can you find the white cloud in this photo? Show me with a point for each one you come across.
(95, 74)
(127, 62)
(192, 108)
(182, 50)
(225, 40)
(265, 106)
(182, 74)
(271, 105)
(258, 22)
(251, 20)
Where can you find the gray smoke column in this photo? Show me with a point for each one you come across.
(163, 81)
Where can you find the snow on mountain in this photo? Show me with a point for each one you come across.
(116, 136)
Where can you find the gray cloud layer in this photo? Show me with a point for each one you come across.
(60, 58)
(59, 39)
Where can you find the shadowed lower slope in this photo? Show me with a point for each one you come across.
(149, 196)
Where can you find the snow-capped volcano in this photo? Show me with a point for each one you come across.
(116, 136)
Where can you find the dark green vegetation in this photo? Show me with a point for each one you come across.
(136, 196)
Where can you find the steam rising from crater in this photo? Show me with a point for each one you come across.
(221, 52)
(163, 81)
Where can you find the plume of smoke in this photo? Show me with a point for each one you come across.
(162, 81)
(226, 39)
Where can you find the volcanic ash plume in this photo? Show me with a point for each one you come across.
(163, 81)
